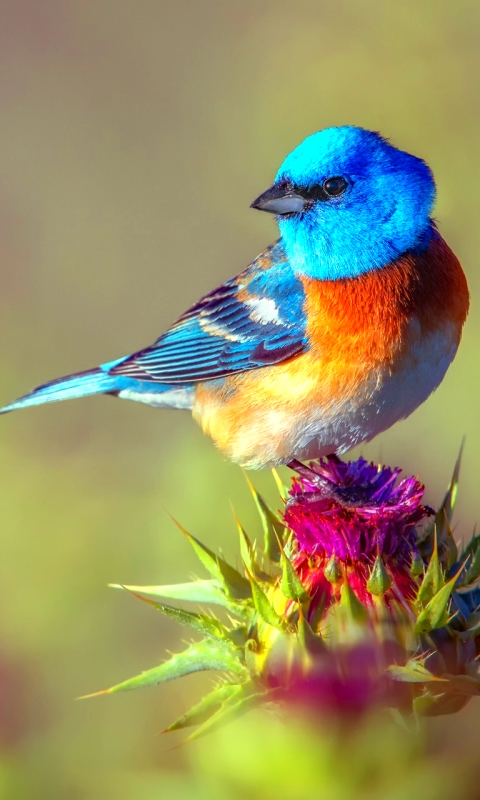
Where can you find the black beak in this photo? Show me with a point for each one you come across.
(280, 199)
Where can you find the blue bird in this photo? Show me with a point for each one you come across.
(337, 330)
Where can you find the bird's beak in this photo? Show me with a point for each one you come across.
(280, 199)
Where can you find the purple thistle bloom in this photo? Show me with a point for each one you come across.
(354, 512)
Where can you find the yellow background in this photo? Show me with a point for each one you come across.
(133, 137)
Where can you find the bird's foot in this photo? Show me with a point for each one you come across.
(347, 497)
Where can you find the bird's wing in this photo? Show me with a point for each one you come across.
(251, 321)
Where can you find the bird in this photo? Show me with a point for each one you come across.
(340, 328)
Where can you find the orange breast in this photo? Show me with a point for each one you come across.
(358, 324)
(358, 328)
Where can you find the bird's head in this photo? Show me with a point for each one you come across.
(348, 202)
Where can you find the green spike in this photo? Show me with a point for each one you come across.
(350, 603)
(273, 529)
(413, 672)
(333, 571)
(201, 656)
(433, 579)
(202, 623)
(230, 710)
(207, 706)
(282, 489)
(418, 565)
(423, 704)
(290, 584)
(440, 527)
(472, 631)
(246, 547)
(379, 581)
(306, 636)
(435, 613)
(209, 591)
(234, 584)
(450, 499)
(471, 556)
(264, 608)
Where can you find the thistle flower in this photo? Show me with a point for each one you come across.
(353, 601)
(347, 518)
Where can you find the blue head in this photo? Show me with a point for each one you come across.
(348, 202)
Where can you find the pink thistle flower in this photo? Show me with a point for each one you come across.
(344, 516)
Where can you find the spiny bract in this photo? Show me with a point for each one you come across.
(354, 600)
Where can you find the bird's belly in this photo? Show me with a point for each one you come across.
(271, 416)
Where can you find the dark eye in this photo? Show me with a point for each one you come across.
(335, 186)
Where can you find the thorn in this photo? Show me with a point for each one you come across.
(93, 694)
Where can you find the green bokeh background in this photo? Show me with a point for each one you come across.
(133, 136)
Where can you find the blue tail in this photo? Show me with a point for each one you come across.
(93, 381)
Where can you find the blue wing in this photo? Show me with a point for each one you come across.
(251, 321)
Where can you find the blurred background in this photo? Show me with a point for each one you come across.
(133, 137)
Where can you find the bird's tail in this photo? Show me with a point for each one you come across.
(93, 381)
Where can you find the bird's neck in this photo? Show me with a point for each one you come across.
(323, 254)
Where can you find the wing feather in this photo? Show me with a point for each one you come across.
(225, 333)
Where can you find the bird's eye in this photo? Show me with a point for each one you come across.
(335, 186)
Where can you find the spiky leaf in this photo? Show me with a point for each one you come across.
(207, 706)
(204, 655)
(209, 591)
(282, 489)
(440, 528)
(471, 560)
(202, 623)
(246, 548)
(412, 672)
(273, 530)
(290, 584)
(435, 613)
(264, 608)
(230, 710)
(350, 606)
(234, 584)
(307, 638)
(433, 579)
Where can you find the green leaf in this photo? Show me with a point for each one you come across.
(450, 499)
(234, 584)
(202, 623)
(290, 584)
(307, 638)
(205, 655)
(246, 548)
(473, 629)
(263, 607)
(207, 706)
(472, 546)
(273, 529)
(435, 613)
(209, 591)
(412, 672)
(282, 489)
(441, 526)
(350, 604)
(417, 566)
(433, 579)
(230, 710)
(471, 556)
(473, 570)
(423, 704)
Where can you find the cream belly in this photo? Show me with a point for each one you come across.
(272, 435)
